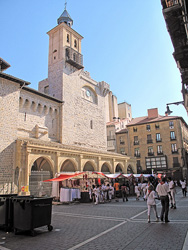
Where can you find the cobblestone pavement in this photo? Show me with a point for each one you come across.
(115, 225)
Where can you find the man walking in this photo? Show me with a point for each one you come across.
(163, 190)
(172, 192)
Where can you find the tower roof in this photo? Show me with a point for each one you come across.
(65, 18)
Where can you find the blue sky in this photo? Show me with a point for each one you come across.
(125, 43)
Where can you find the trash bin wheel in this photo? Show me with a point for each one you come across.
(50, 228)
(33, 233)
(15, 231)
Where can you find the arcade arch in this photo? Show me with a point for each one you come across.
(88, 166)
(105, 168)
(41, 170)
(68, 166)
(118, 168)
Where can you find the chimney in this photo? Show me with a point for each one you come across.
(153, 113)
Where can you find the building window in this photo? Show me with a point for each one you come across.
(134, 129)
(67, 54)
(150, 151)
(156, 162)
(159, 150)
(136, 142)
(171, 124)
(148, 128)
(74, 57)
(174, 148)
(157, 126)
(122, 151)
(91, 124)
(158, 137)
(121, 139)
(149, 139)
(176, 163)
(172, 135)
(68, 38)
(75, 43)
(137, 152)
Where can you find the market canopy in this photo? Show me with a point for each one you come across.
(94, 175)
(79, 175)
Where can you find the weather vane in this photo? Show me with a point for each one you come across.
(65, 4)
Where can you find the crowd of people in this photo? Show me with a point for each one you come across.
(163, 189)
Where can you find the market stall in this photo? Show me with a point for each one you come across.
(67, 187)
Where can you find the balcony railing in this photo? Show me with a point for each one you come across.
(172, 138)
(159, 140)
(160, 153)
(150, 153)
(111, 137)
(74, 58)
(136, 142)
(137, 154)
(122, 142)
(174, 151)
(176, 165)
(149, 141)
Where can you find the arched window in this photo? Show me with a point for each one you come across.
(91, 124)
(75, 43)
(68, 38)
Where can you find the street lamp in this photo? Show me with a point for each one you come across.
(168, 111)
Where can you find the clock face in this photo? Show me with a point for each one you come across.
(88, 93)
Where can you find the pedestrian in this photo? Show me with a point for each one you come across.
(124, 192)
(143, 188)
(150, 196)
(163, 190)
(184, 188)
(111, 192)
(116, 190)
(172, 192)
(137, 191)
(97, 194)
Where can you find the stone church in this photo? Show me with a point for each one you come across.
(61, 127)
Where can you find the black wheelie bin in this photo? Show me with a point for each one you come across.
(6, 211)
(30, 213)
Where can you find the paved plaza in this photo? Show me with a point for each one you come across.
(109, 226)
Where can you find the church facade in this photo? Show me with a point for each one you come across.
(61, 127)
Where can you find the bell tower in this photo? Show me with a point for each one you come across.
(64, 53)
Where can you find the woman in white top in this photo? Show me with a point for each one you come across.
(137, 192)
(150, 196)
(184, 188)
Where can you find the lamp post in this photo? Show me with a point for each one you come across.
(168, 111)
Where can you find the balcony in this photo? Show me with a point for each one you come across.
(111, 137)
(136, 142)
(149, 141)
(174, 151)
(122, 142)
(173, 138)
(137, 155)
(176, 165)
(74, 58)
(160, 153)
(159, 140)
(150, 153)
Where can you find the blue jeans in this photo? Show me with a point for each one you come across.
(165, 207)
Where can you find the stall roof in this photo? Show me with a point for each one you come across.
(88, 175)
(85, 175)
(63, 177)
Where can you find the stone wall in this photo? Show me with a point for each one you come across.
(84, 121)
(38, 117)
(9, 109)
